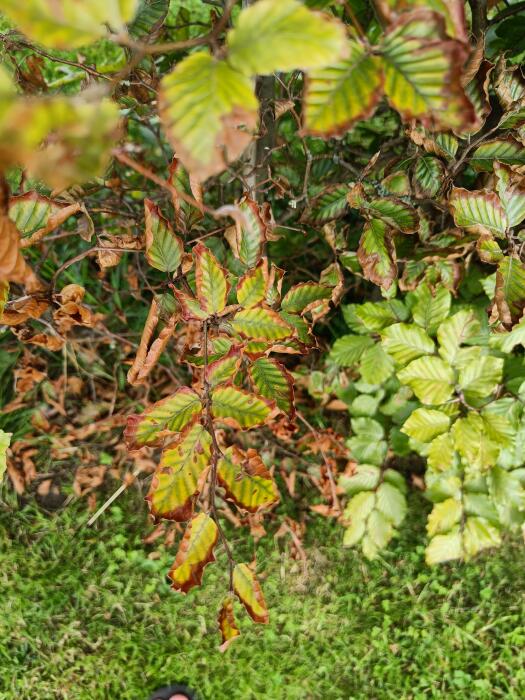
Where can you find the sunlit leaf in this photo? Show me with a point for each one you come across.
(177, 479)
(272, 380)
(195, 552)
(343, 92)
(405, 342)
(282, 35)
(478, 380)
(261, 323)
(207, 110)
(251, 288)
(69, 24)
(246, 480)
(425, 424)
(248, 590)
(478, 212)
(431, 380)
(478, 535)
(163, 248)
(444, 548)
(473, 442)
(510, 289)
(456, 330)
(239, 408)
(168, 415)
(249, 235)
(5, 441)
(210, 278)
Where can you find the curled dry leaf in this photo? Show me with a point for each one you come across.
(13, 267)
(71, 312)
(19, 311)
(227, 624)
(87, 479)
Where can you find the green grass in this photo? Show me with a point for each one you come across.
(86, 615)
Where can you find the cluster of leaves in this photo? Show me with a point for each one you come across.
(419, 199)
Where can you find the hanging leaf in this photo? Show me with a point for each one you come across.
(423, 72)
(249, 592)
(227, 624)
(250, 233)
(240, 408)
(406, 342)
(504, 150)
(478, 211)
(168, 415)
(425, 424)
(246, 480)
(431, 380)
(208, 125)
(195, 552)
(376, 253)
(261, 323)
(429, 174)
(300, 297)
(178, 477)
(251, 287)
(69, 24)
(273, 381)
(342, 93)
(210, 278)
(510, 290)
(163, 248)
(283, 35)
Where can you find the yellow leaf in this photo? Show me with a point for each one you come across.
(227, 624)
(261, 323)
(246, 480)
(163, 248)
(195, 551)
(249, 592)
(210, 278)
(240, 408)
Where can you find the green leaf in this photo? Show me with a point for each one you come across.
(511, 191)
(428, 177)
(261, 323)
(246, 480)
(367, 445)
(479, 380)
(283, 35)
(393, 212)
(224, 368)
(444, 516)
(300, 297)
(163, 248)
(248, 237)
(360, 506)
(478, 211)
(177, 479)
(506, 342)
(343, 92)
(69, 24)
(347, 350)
(239, 408)
(431, 308)
(504, 150)
(272, 380)
(391, 503)
(425, 424)
(329, 205)
(377, 254)
(33, 212)
(248, 590)
(473, 443)
(422, 72)
(5, 441)
(203, 104)
(455, 331)
(379, 532)
(251, 287)
(444, 548)
(376, 366)
(441, 454)
(166, 416)
(431, 380)
(195, 552)
(510, 289)
(374, 316)
(150, 18)
(365, 478)
(508, 495)
(406, 342)
(210, 279)
(478, 535)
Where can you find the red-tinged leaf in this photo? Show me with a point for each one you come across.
(36, 215)
(180, 474)
(505, 150)
(510, 290)
(478, 211)
(225, 368)
(249, 592)
(227, 624)
(246, 480)
(164, 249)
(261, 323)
(190, 308)
(195, 552)
(301, 296)
(251, 231)
(272, 380)
(251, 288)
(211, 281)
(453, 12)
(423, 72)
(240, 408)
(511, 191)
(377, 254)
(166, 416)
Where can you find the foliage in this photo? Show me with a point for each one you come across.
(261, 232)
